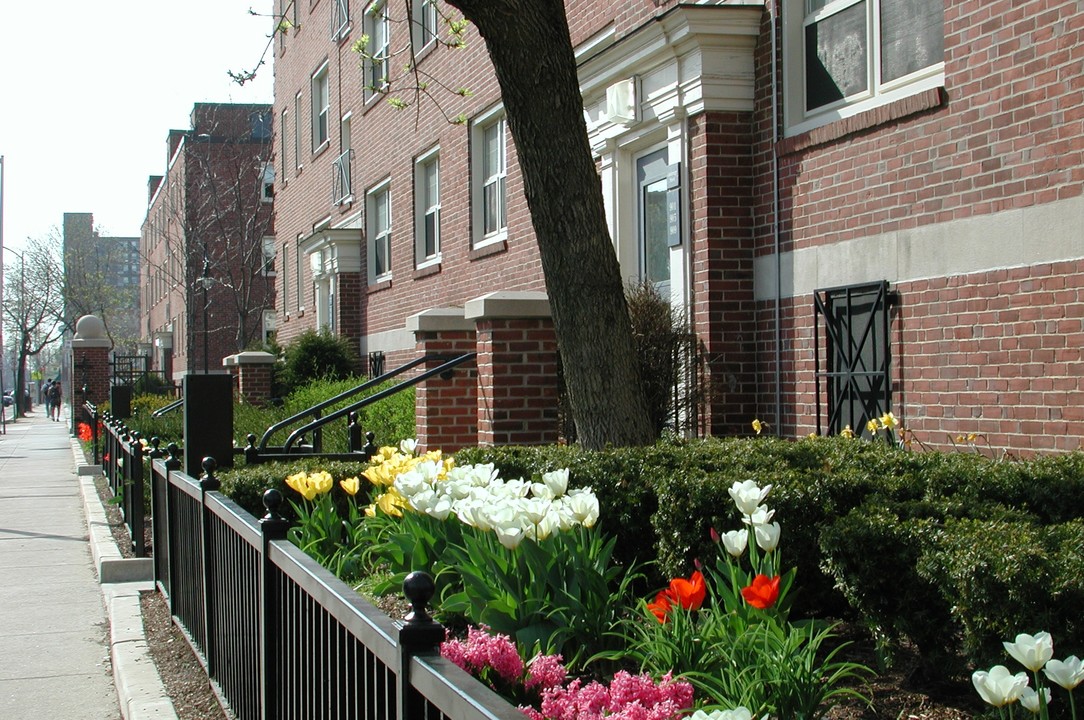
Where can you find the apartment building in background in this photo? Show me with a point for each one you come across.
(102, 274)
(861, 206)
(207, 276)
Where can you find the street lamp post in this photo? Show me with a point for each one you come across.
(205, 283)
(18, 394)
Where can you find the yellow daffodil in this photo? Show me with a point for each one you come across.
(888, 420)
(350, 485)
(757, 426)
(846, 432)
(872, 426)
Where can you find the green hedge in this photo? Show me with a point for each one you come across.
(949, 550)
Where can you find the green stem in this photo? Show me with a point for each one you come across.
(1072, 704)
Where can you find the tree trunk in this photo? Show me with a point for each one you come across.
(531, 51)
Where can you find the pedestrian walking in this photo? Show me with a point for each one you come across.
(54, 400)
(46, 399)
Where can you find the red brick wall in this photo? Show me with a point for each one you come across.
(517, 382)
(446, 411)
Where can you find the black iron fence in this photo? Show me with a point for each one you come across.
(122, 458)
(279, 634)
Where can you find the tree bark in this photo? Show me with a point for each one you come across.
(531, 50)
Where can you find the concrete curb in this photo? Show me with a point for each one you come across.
(139, 688)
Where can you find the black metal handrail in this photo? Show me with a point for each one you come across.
(179, 403)
(445, 367)
(314, 411)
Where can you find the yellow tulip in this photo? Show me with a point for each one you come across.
(321, 481)
(297, 482)
(350, 485)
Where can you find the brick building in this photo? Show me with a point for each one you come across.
(207, 285)
(862, 205)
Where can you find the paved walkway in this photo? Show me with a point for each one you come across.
(58, 626)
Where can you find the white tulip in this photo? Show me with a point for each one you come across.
(1030, 699)
(747, 495)
(761, 515)
(408, 446)
(999, 687)
(1067, 673)
(1031, 651)
(735, 541)
(767, 536)
(556, 482)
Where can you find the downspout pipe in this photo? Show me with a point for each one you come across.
(778, 313)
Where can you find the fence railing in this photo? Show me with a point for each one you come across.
(123, 454)
(279, 634)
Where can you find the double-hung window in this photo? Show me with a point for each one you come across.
(340, 19)
(321, 107)
(843, 57)
(376, 65)
(378, 227)
(424, 23)
(427, 208)
(489, 175)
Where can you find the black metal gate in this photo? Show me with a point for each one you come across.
(856, 383)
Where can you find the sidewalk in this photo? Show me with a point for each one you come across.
(70, 647)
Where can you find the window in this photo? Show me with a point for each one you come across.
(260, 122)
(283, 280)
(267, 183)
(321, 107)
(378, 227)
(297, 274)
(297, 131)
(489, 169)
(341, 188)
(377, 27)
(269, 256)
(853, 325)
(282, 143)
(269, 325)
(424, 23)
(427, 208)
(340, 19)
(843, 57)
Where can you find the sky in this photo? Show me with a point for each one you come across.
(90, 90)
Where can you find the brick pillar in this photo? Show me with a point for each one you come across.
(446, 410)
(90, 367)
(251, 371)
(517, 368)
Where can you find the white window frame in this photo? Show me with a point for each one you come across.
(321, 108)
(297, 131)
(267, 183)
(377, 65)
(797, 119)
(426, 207)
(268, 266)
(424, 24)
(270, 325)
(340, 19)
(377, 233)
(482, 179)
(283, 124)
(283, 281)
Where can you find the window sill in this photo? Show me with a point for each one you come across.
(913, 105)
(321, 150)
(423, 271)
(378, 285)
(492, 247)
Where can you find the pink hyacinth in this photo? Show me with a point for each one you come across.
(545, 671)
(629, 697)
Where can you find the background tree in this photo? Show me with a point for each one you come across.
(204, 251)
(89, 286)
(33, 307)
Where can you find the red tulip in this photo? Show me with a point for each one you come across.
(690, 593)
(763, 592)
(661, 607)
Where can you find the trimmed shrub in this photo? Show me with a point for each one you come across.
(318, 356)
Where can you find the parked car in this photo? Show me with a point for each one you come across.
(9, 399)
